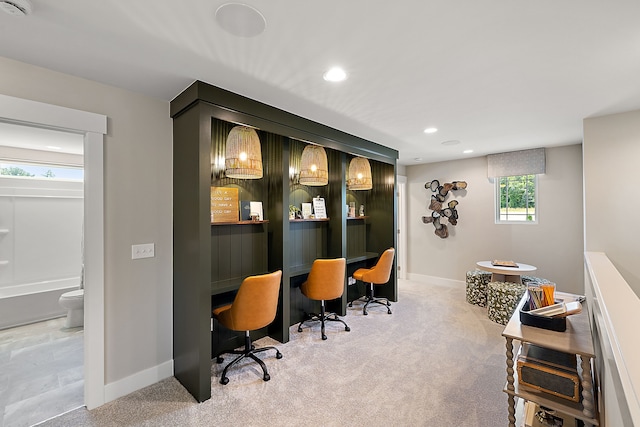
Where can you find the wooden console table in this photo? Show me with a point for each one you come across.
(575, 340)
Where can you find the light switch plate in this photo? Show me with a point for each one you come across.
(146, 250)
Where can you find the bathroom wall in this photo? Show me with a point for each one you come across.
(40, 247)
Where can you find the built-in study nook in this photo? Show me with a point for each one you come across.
(257, 190)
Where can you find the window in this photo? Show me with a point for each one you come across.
(516, 199)
(25, 170)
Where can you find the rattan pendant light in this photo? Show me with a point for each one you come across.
(359, 174)
(243, 156)
(314, 170)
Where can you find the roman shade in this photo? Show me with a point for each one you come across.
(515, 163)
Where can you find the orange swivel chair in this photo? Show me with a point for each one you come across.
(254, 307)
(377, 275)
(325, 282)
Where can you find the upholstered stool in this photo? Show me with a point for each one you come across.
(477, 281)
(502, 300)
(533, 280)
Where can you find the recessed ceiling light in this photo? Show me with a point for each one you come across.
(431, 130)
(418, 159)
(241, 20)
(451, 142)
(467, 152)
(53, 147)
(336, 74)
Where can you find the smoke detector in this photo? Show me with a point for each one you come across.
(16, 7)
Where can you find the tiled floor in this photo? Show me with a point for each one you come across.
(41, 372)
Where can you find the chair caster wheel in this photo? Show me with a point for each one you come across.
(219, 359)
(278, 355)
(224, 380)
(388, 311)
(299, 329)
(350, 304)
(365, 313)
(266, 377)
(346, 328)
(324, 337)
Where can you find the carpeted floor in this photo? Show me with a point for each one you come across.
(436, 361)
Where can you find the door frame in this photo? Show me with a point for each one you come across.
(402, 226)
(93, 126)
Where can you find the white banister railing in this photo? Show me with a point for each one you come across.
(615, 321)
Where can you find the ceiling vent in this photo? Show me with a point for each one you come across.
(16, 7)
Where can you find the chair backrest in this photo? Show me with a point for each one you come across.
(326, 279)
(256, 302)
(380, 272)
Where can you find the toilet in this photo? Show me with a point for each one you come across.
(73, 302)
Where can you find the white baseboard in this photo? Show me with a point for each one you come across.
(435, 280)
(137, 381)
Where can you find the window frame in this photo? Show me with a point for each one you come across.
(497, 201)
(49, 165)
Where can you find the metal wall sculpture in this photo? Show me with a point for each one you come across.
(440, 211)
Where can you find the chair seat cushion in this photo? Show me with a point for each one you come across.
(217, 311)
(359, 273)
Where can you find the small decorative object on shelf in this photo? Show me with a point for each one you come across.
(224, 204)
(352, 209)
(539, 416)
(439, 210)
(256, 211)
(294, 212)
(361, 210)
(319, 209)
(306, 210)
(504, 263)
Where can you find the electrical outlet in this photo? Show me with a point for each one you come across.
(146, 250)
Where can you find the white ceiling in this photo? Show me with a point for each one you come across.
(496, 75)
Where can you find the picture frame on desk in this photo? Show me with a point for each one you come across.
(224, 204)
(306, 210)
(249, 209)
(256, 209)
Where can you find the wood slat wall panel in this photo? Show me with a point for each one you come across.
(356, 238)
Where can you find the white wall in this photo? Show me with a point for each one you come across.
(554, 245)
(138, 206)
(612, 198)
(40, 247)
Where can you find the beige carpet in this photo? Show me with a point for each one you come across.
(436, 361)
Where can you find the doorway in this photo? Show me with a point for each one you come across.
(41, 209)
(93, 127)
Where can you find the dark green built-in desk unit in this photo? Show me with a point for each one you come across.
(211, 260)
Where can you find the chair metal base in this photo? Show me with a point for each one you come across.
(322, 317)
(370, 299)
(249, 351)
